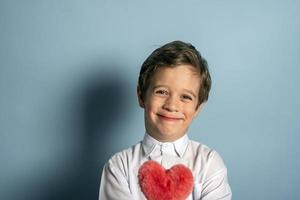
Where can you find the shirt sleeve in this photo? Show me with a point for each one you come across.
(215, 185)
(113, 185)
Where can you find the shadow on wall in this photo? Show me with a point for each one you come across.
(102, 101)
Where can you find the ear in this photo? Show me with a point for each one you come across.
(198, 110)
(139, 95)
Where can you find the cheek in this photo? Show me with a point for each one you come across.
(153, 104)
(190, 113)
(150, 109)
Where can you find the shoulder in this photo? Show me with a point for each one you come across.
(201, 149)
(205, 154)
(197, 146)
(122, 158)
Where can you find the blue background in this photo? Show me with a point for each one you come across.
(68, 75)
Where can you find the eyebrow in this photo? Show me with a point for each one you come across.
(186, 90)
(158, 86)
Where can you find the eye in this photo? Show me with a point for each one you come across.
(161, 92)
(187, 97)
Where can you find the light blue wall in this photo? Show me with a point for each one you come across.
(68, 73)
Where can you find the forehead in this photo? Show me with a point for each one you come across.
(181, 76)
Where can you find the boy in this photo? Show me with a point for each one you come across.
(173, 85)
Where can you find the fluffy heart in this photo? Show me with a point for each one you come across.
(157, 183)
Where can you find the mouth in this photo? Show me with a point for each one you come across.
(168, 118)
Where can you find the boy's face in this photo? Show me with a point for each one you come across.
(170, 102)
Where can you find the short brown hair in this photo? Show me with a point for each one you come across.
(171, 55)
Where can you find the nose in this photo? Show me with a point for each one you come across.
(171, 104)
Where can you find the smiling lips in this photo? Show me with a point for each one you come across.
(168, 117)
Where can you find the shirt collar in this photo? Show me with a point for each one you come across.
(180, 145)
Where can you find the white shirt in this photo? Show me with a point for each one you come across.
(120, 174)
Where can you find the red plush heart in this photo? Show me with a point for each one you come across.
(157, 183)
